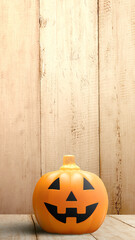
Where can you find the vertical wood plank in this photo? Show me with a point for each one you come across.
(19, 104)
(69, 83)
(117, 102)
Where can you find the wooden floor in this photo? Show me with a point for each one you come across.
(25, 227)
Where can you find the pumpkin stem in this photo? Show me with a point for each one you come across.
(69, 163)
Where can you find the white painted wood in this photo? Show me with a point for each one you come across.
(117, 102)
(17, 227)
(26, 227)
(114, 229)
(42, 235)
(19, 104)
(128, 219)
(69, 83)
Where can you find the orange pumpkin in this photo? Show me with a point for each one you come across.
(70, 201)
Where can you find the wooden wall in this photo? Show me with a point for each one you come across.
(67, 86)
(117, 102)
(19, 104)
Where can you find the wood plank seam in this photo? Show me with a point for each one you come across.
(117, 97)
(63, 88)
(98, 84)
(93, 236)
(40, 78)
(121, 221)
(19, 104)
(34, 225)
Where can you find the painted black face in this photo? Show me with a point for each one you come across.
(71, 212)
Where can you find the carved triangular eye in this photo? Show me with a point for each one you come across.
(86, 184)
(55, 185)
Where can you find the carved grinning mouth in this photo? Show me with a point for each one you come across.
(71, 212)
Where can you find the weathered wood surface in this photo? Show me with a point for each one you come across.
(19, 104)
(17, 227)
(117, 102)
(69, 83)
(42, 235)
(114, 229)
(87, 56)
(25, 227)
(128, 219)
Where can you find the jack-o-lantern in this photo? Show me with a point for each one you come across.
(70, 201)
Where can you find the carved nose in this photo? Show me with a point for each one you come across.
(71, 197)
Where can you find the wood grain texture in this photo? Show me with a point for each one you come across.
(26, 227)
(69, 83)
(19, 104)
(114, 229)
(117, 102)
(18, 227)
(128, 219)
(67, 100)
(42, 235)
